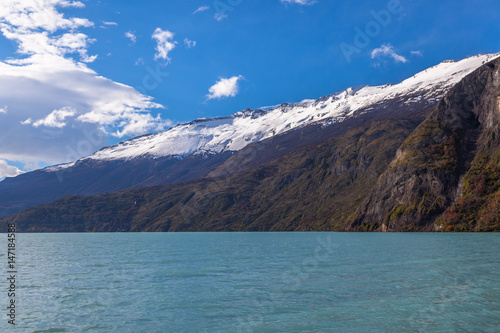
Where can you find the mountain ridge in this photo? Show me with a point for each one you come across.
(437, 169)
(300, 124)
(434, 81)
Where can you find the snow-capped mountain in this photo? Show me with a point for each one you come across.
(217, 135)
(207, 148)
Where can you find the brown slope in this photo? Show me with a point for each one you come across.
(316, 187)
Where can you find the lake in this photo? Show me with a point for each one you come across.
(256, 282)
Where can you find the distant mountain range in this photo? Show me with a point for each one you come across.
(388, 158)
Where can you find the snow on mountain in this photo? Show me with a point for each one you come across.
(216, 135)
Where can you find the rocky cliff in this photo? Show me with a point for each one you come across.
(447, 171)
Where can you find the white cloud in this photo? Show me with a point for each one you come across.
(7, 170)
(164, 43)
(189, 43)
(109, 23)
(417, 53)
(387, 50)
(141, 123)
(64, 100)
(55, 119)
(201, 9)
(225, 87)
(75, 42)
(32, 24)
(300, 2)
(69, 105)
(220, 16)
(27, 15)
(131, 35)
(3, 109)
(76, 4)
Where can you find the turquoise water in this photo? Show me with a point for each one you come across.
(257, 282)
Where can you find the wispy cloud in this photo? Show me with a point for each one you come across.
(76, 4)
(300, 2)
(225, 87)
(201, 9)
(131, 35)
(387, 50)
(55, 119)
(133, 122)
(220, 16)
(76, 41)
(109, 23)
(7, 170)
(165, 43)
(3, 109)
(417, 53)
(189, 43)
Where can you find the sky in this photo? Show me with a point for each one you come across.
(79, 75)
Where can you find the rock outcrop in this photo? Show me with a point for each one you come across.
(455, 150)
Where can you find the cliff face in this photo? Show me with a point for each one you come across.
(447, 171)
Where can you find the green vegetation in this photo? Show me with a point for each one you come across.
(397, 212)
(479, 207)
(434, 145)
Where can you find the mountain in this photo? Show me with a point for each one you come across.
(311, 188)
(448, 170)
(436, 167)
(219, 147)
(211, 136)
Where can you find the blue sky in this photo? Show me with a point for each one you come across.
(78, 75)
